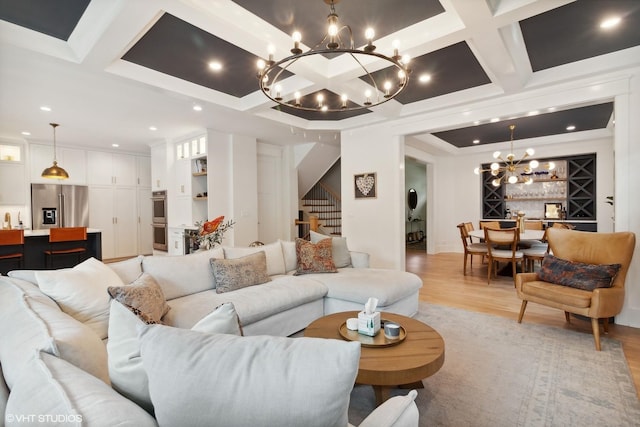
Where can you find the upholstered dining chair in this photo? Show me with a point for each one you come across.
(470, 249)
(536, 251)
(569, 280)
(502, 246)
(532, 225)
(11, 249)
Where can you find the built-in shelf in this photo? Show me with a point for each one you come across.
(533, 199)
(199, 173)
(200, 198)
(573, 184)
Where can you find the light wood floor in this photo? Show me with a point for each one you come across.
(445, 284)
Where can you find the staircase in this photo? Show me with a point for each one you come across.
(323, 203)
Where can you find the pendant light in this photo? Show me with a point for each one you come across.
(55, 171)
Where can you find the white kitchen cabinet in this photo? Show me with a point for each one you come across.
(145, 218)
(12, 183)
(176, 241)
(73, 160)
(159, 167)
(113, 211)
(182, 177)
(143, 171)
(111, 168)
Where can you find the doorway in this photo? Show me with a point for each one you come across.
(415, 204)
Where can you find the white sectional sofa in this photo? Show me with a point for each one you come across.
(48, 346)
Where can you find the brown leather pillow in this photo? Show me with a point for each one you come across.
(577, 274)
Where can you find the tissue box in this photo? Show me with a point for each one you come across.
(369, 324)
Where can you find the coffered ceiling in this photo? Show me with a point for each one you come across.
(110, 70)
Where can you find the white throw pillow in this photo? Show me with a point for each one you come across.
(289, 253)
(273, 252)
(222, 320)
(126, 372)
(199, 379)
(129, 269)
(54, 392)
(339, 249)
(81, 292)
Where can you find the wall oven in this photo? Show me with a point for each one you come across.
(160, 239)
(160, 232)
(159, 200)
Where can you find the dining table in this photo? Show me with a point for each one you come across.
(526, 235)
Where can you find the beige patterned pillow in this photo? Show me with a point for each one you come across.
(314, 257)
(144, 297)
(237, 273)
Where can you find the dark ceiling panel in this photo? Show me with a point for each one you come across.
(572, 32)
(331, 98)
(56, 18)
(583, 118)
(309, 16)
(452, 68)
(175, 47)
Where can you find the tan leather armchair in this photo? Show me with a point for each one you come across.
(590, 248)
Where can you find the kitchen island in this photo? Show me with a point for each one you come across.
(37, 241)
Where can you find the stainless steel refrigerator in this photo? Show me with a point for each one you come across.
(56, 205)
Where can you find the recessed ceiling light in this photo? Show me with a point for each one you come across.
(495, 119)
(476, 141)
(45, 108)
(610, 22)
(215, 65)
(115, 145)
(197, 108)
(571, 127)
(551, 109)
(153, 128)
(424, 78)
(477, 122)
(534, 113)
(25, 133)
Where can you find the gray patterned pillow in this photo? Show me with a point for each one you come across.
(237, 273)
(144, 297)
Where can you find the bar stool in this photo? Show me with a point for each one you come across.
(66, 242)
(11, 250)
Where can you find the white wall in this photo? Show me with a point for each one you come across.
(245, 189)
(374, 225)
(627, 202)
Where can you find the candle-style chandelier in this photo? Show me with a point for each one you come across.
(513, 171)
(270, 71)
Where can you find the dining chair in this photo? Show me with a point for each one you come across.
(491, 224)
(65, 242)
(531, 225)
(536, 252)
(497, 242)
(469, 227)
(11, 250)
(563, 225)
(470, 248)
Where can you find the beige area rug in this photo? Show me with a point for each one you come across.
(501, 373)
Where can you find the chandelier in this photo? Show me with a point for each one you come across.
(512, 170)
(55, 171)
(270, 71)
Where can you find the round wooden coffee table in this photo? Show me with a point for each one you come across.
(418, 356)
